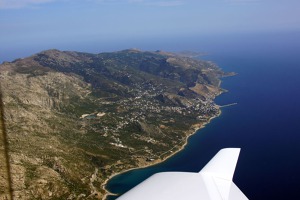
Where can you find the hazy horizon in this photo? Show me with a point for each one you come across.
(30, 26)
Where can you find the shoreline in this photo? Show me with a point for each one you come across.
(194, 128)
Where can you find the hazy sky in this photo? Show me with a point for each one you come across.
(33, 25)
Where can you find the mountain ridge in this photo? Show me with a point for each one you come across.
(74, 119)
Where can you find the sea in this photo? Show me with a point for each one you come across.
(265, 122)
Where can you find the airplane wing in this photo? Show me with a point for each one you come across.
(213, 182)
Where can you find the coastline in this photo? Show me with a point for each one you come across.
(194, 128)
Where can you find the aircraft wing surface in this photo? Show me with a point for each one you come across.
(213, 182)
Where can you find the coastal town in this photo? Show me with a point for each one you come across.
(145, 107)
(77, 119)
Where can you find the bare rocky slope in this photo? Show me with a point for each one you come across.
(73, 119)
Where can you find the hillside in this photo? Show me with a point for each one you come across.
(73, 119)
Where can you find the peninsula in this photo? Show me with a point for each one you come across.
(74, 119)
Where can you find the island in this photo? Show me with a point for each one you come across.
(73, 119)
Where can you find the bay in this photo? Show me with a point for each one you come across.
(264, 123)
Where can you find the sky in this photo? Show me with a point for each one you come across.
(30, 26)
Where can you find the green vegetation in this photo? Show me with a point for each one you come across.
(79, 118)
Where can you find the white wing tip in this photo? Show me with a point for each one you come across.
(223, 164)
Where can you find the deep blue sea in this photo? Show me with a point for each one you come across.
(265, 123)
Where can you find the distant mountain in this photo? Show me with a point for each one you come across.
(73, 119)
(191, 54)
